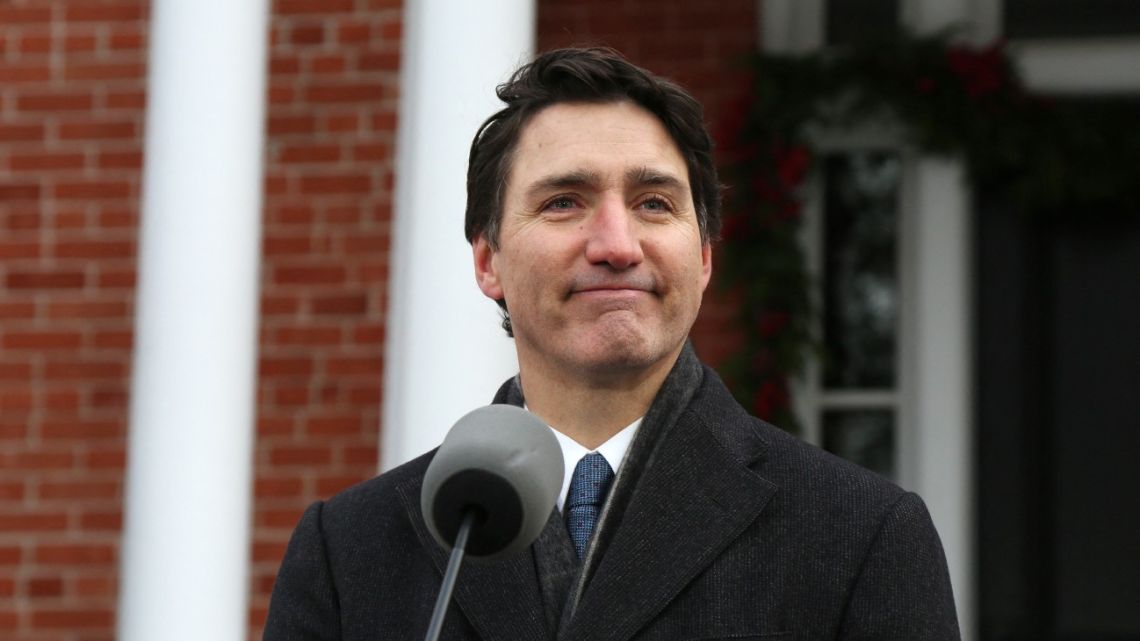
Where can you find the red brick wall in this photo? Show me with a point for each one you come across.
(71, 99)
(332, 117)
(72, 92)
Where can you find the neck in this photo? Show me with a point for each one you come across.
(588, 407)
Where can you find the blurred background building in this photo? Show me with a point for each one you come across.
(1000, 360)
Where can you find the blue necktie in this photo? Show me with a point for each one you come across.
(588, 486)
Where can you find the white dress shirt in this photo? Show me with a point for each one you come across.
(612, 450)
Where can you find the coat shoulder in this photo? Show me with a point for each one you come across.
(849, 553)
(802, 472)
(377, 500)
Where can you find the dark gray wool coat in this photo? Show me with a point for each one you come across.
(718, 526)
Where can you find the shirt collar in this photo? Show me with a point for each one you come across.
(613, 450)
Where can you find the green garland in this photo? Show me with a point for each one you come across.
(1034, 154)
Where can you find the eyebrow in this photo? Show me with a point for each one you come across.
(651, 177)
(562, 181)
(641, 176)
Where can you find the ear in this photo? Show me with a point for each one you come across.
(706, 265)
(486, 270)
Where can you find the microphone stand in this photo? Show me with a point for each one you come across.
(457, 552)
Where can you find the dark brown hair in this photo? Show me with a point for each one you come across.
(584, 75)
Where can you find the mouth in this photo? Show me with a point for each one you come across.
(625, 287)
(610, 293)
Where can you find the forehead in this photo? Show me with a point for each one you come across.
(601, 138)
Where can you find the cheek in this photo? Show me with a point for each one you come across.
(521, 277)
(682, 260)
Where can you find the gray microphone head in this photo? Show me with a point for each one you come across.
(504, 463)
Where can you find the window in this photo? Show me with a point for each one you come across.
(856, 382)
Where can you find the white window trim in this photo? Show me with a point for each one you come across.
(809, 397)
(934, 427)
(1080, 66)
(1085, 65)
(791, 26)
(934, 439)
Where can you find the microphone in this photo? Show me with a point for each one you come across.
(501, 463)
(489, 490)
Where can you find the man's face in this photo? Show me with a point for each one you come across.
(600, 257)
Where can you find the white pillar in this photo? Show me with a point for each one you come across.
(445, 353)
(790, 26)
(186, 537)
(943, 313)
(931, 16)
(943, 428)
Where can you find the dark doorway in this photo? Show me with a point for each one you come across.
(1058, 389)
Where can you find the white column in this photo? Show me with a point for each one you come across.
(445, 353)
(941, 460)
(790, 26)
(186, 539)
(931, 16)
(943, 469)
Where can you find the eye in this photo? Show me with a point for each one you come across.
(655, 204)
(560, 203)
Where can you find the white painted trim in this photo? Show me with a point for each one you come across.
(940, 401)
(933, 399)
(185, 559)
(908, 257)
(987, 21)
(929, 16)
(1091, 67)
(1063, 65)
(806, 390)
(943, 347)
(849, 399)
(791, 26)
(445, 353)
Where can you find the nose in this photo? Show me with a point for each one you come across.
(613, 235)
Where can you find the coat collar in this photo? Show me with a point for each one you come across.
(684, 493)
(687, 493)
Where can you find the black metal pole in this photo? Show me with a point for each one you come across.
(444, 598)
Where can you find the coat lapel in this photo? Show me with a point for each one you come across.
(690, 495)
(689, 506)
(557, 567)
(686, 495)
(501, 598)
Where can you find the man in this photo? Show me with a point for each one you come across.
(592, 203)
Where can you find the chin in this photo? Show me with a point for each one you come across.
(614, 346)
(619, 354)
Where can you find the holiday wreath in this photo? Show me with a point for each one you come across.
(1039, 155)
